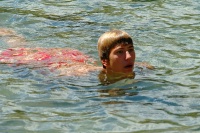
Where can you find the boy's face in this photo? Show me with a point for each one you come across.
(121, 59)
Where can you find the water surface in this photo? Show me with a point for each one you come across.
(166, 34)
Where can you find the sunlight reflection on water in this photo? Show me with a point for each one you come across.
(166, 34)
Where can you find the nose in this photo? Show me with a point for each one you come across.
(128, 55)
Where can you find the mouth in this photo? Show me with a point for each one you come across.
(128, 66)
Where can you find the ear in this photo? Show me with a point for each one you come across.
(105, 62)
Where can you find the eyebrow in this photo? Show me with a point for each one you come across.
(131, 46)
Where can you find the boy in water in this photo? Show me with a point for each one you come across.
(115, 49)
(117, 55)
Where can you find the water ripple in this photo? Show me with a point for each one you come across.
(165, 33)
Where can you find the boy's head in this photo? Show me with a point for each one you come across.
(109, 40)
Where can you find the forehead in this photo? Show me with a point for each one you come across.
(123, 46)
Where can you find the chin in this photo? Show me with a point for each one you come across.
(128, 71)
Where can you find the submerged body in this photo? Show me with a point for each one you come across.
(64, 60)
(115, 48)
(47, 56)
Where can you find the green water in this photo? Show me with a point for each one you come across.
(166, 34)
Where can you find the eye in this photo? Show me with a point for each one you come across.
(120, 52)
(131, 50)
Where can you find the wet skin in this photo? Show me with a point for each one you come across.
(121, 59)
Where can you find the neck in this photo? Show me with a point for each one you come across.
(111, 77)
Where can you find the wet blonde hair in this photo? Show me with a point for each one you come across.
(110, 39)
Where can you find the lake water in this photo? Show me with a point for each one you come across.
(166, 34)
